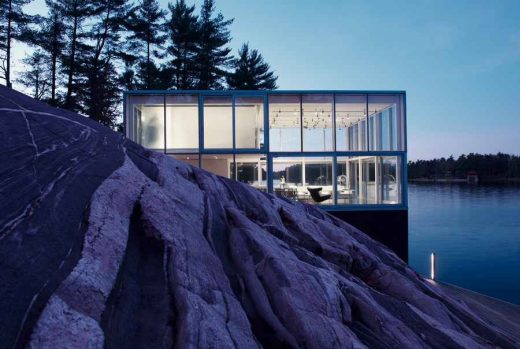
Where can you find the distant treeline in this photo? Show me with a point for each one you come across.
(489, 167)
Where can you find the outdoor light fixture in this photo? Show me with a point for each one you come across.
(432, 266)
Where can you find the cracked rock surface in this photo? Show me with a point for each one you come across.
(106, 244)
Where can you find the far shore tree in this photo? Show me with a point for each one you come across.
(13, 23)
(487, 166)
(251, 72)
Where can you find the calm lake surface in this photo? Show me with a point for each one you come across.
(475, 233)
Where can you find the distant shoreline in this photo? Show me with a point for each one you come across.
(482, 181)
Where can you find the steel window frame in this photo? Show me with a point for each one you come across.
(270, 155)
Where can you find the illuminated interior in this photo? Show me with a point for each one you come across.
(331, 149)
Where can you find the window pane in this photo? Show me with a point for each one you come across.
(390, 180)
(369, 180)
(218, 164)
(317, 122)
(284, 123)
(249, 122)
(182, 123)
(306, 179)
(218, 123)
(147, 121)
(386, 126)
(191, 159)
(351, 122)
(251, 169)
(318, 177)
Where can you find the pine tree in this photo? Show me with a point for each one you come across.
(145, 25)
(36, 75)
(182, 36)
(49, 36)
(212, 56)
(75, 13)
(102, 94)
(13, 24)
(251, 72)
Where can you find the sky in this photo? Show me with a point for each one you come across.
(458, 61)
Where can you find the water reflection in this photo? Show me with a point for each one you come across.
(475, 231)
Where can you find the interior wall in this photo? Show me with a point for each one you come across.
(217, 166)
(152, 121)
(182, 127)
(246, 126)
(218, 127)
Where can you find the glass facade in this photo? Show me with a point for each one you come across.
(249, 122)
(219, 164)
(318, 122)
(336, 149)
(251, 169)
(218, 122)
(308, 179)
(369, 180)
(351, 112)
(182, 123)
(285, 123)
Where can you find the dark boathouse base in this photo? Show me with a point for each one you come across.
(389, 227)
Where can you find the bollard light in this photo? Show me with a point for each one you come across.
(432, 266)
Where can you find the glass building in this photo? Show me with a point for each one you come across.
(352, 145)
(342, 150)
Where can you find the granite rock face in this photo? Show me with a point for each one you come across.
(106, 244)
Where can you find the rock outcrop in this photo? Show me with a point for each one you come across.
(106, 244)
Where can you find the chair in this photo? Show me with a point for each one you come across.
(316, 195)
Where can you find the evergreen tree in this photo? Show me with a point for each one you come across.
(182, 36)
(127, 79)
(13, 24)
(101, 93)
(212, 58)
(49, 37)
(36, 75)
(251, 72)
(145, 25)
(75, 13)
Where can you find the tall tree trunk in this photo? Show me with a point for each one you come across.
(54, 58)
(148, 65)
(8, 53)
(53, 74)
(37, 87)
(72, 64)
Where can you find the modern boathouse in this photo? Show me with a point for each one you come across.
(342, 150)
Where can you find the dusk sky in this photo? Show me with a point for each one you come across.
(458, 61)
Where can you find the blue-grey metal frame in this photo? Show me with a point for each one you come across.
(270, 155)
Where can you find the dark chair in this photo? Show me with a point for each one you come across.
(316, 195)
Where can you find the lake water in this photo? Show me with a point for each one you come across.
(475, 233)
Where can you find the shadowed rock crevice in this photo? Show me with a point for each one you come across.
(139, 310)
(62, 270)
(141, 159)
